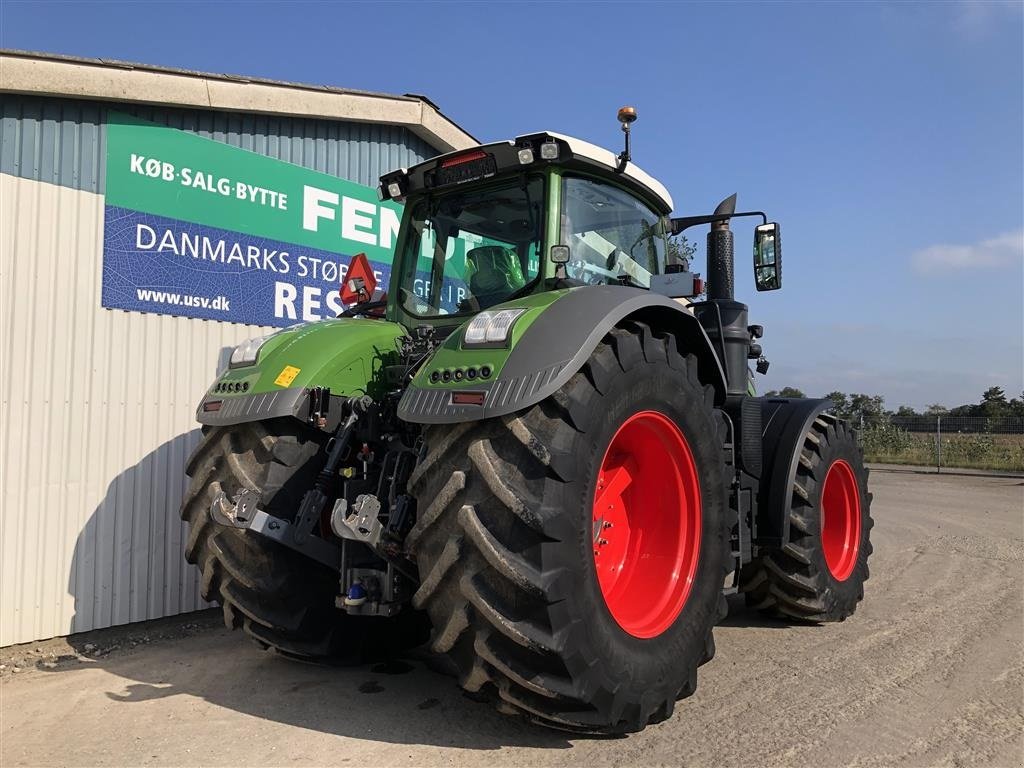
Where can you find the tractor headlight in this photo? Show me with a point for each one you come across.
(491, 328)
(247, 352)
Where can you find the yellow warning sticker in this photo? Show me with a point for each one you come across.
(287, 376)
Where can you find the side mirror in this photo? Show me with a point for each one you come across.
(768, 257)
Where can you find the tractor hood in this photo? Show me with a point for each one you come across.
(347, 356)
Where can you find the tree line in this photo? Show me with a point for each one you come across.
(870, 409)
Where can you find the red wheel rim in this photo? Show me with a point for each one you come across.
(647, 518)
(840, 520)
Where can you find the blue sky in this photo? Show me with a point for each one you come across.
(886, 138)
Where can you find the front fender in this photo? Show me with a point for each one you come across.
(550, 343)
(346, 355)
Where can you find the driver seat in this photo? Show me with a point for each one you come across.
(493, 274)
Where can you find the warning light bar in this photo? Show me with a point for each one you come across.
(465, 157)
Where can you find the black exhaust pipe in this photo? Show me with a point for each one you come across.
(721, 261)
(723, 318)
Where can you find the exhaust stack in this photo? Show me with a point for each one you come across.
(725, 319)
(721, 257)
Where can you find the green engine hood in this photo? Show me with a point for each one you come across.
(347, 356)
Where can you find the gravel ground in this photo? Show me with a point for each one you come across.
(930, 671)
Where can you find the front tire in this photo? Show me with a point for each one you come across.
(506, 545)
(279, 597)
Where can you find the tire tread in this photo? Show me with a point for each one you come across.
(787, 583)
(489, 605)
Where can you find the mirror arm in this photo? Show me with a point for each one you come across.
(685, 222)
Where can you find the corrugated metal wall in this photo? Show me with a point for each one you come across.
(97, 404)
(64, 141)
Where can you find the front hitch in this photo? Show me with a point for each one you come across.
(243, 513)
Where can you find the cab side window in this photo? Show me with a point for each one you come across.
(612, 236)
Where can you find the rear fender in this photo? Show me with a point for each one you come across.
(786, 422)
(559, 332)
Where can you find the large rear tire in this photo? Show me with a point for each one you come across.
(279, 597)
(523, 606)
(819, 573)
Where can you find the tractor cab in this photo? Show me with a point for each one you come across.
(515, 218)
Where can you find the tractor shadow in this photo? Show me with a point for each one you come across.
(402, 701)
(740, 615)
(128, 563)
(128, 566)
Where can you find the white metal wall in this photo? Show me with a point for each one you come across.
(97, 423)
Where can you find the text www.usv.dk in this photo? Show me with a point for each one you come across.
(221, 303)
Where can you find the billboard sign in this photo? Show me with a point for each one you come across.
(197, 228)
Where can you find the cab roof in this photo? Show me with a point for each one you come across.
(608, 159)
(581, 154)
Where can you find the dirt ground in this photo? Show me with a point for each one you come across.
(930, 671)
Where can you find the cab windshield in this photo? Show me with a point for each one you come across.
(469, 249)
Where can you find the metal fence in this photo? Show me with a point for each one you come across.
(945, 442)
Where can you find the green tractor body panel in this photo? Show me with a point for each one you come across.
(347, 356)
(453, 356)
(547, 345)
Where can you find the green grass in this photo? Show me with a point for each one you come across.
(886, 444)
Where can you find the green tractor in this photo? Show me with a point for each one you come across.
(536, 447)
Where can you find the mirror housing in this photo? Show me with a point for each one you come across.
(768, 257)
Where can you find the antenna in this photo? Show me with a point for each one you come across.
(627, 116)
